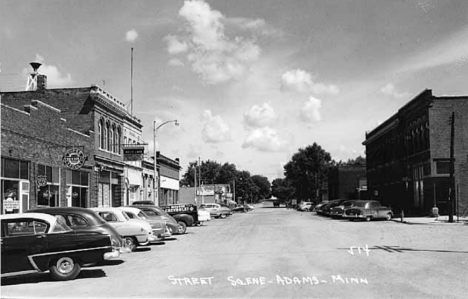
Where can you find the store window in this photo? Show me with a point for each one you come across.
(77, 188)
(49, 195)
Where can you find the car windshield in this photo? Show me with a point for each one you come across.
(360, 204)
(348, 203)
(142, 215)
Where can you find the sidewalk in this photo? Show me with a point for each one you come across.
(442, 219)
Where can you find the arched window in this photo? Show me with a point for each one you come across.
(99, 130)
(104, 139)
(119, 135)
(102, 133)
(111, 139)
(116, 141)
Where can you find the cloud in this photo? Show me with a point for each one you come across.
(213, 56)
(390, 90)
(451, 50)
(310, 111)
(131, 36)
(54, 77)
(193, 151)
(260, 116)
(264, 140)
(216, 130)
(174, 46)
(301, 81)
(175, 62)
(255, 25)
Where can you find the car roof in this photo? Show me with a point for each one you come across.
(130, 209)
(62, 210)
(41, 216)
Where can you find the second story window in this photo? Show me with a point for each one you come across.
(111, 146)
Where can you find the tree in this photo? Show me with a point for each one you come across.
(358, 161)
(209, 171)
(264, 186)
(282, 189)
(307, 170)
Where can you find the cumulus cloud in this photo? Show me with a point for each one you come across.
(131, 36)
(255, 25)
(301, 81)
(390, 90)
(259, 116)
(216, 130)
(212, 54)
(264, 140)
(310, 111)
(55, 79)
(174, 45)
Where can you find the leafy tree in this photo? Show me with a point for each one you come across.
(358, 161)
(208, 169)
(307, 170)
(282, 189)
(264, 187)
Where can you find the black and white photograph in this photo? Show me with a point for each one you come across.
(234, 149)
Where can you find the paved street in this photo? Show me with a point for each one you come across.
(278, 253)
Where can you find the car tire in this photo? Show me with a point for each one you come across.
(368, 218)
(65, 268)
(130, 243)
(223, 216)
(182, 227)
(389, 216)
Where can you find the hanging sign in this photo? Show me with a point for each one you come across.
(41, 180)
(133, 153)
(74, 158)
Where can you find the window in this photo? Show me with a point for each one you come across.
(75, 221)
(130, 215)
(443, 167)
(107, 216)
(116, 142)
(15, 169)
(102, 135)
(26, 228)
(79, 183)
(106, 129)
(49, 194)
(111, 140)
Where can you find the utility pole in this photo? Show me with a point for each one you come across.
(195, 181)
(452, 169)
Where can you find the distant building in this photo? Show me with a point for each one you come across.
(210, 193)
(408, 155)
(346, 181)
(169, 173)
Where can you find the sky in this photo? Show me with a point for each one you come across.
(250, 81)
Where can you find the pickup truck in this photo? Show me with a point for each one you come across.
(187, 213)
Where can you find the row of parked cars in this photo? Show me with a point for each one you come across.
(349, 209)
(62, 240)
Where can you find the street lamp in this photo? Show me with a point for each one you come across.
(156, 174)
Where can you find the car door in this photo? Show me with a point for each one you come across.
(22, 238)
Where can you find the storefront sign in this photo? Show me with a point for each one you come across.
(10, 204)
(74, 158)
(133, 153)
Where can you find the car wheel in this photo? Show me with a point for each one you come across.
(130, 243)
(223, 216)
(389, 216)
(64, 268)
(368, 218)
(182, 227)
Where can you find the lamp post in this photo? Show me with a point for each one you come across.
(156, 174)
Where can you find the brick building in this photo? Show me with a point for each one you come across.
(408, 155)
(346, 181)
(34, 142)
(97, 120)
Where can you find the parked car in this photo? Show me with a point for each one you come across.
(305, 206)
(240, 209)
(217, 210)
(134, 232)
(39, 242)
(159, 226)
(186, 215)
(155, 212)
(338, 211)
(82, 219)
(318, 207)
(326, 209)
(368, 210)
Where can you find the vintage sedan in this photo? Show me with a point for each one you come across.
(160, 228)
(134, 232)
(217, 210)
(82, 219)
(368, 210)
(39, 242)
(155, 212)
(338, 211)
